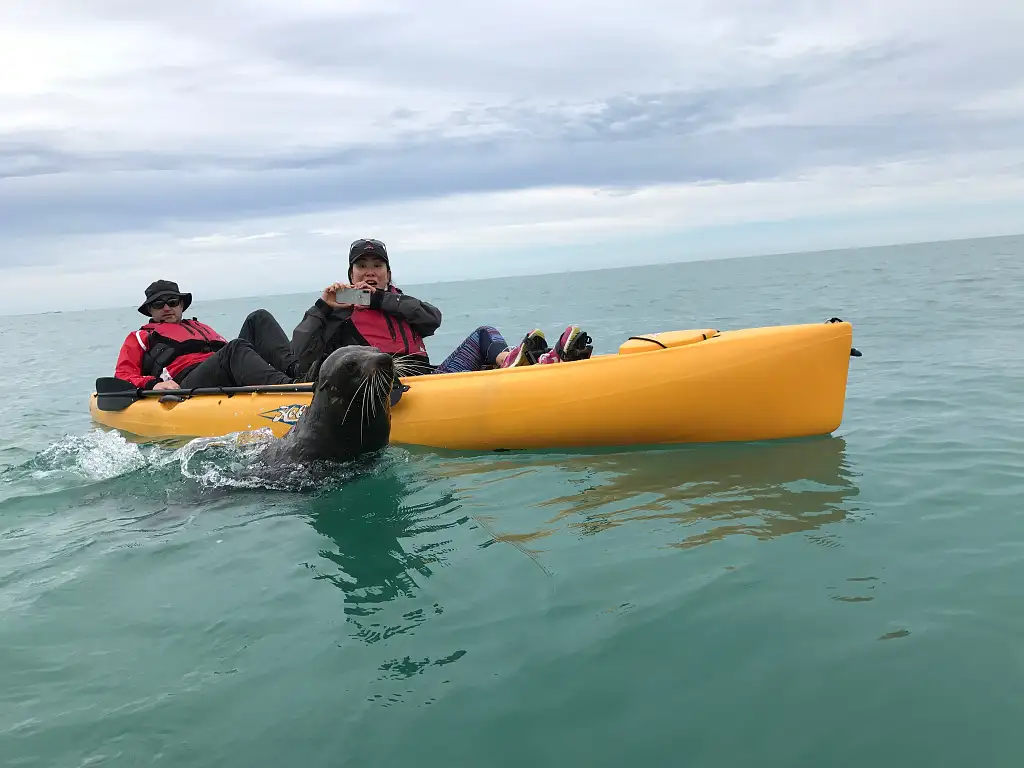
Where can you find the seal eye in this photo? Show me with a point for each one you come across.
(351, 366)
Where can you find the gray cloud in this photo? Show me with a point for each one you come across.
(296, 110)
(631, 143)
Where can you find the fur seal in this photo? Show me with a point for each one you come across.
(350, 414)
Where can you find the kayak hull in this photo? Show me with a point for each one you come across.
(679, 387)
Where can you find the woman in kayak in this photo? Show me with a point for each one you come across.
(397, 323)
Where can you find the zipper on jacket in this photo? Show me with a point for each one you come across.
(391, 328)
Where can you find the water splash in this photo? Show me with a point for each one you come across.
(76, 460)
(236, 461)
(230, 462)
(96, 455)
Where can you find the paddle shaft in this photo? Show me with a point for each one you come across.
(254, 389)
(113, 394)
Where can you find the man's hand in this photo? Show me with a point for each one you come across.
(169, 384)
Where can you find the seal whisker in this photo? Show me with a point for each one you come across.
(386, 384)
(368, 398)
(374, 386)
(371, 390)
(412, 369)
(363, 409)
(363, 418)
(406, 365)
(353, 399)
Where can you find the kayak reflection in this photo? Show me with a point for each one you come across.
(763, 490)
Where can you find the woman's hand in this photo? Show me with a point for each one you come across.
(330, 300)
(328, 295)
(169, 384)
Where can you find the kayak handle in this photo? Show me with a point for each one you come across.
(644, 338)
(854, 352)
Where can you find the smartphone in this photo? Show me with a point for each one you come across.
(353, 296)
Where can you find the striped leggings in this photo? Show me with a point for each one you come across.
(481, 348)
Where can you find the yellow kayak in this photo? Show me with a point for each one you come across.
(676, 387)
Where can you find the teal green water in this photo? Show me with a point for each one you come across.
(845, 601)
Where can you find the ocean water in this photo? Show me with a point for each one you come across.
(848, 600)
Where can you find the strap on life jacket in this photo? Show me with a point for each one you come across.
(163, 350)
(389, 333)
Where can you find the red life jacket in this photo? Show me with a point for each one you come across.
(388, 333)
(176, 346)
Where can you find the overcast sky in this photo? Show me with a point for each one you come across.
(238, 146)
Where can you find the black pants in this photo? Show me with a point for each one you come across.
(260, 355)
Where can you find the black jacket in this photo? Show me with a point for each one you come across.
(323, 329)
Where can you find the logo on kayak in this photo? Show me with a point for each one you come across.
(286, 414)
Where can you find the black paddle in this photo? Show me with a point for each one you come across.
(113, 394)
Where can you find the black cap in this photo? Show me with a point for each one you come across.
(160, 289)
(367, 247)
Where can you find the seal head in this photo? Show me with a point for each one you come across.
(350, 414)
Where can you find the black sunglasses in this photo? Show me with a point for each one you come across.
(363, 242)
(160, 303)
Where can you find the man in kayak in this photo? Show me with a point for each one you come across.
(170, 352)
(398, 323)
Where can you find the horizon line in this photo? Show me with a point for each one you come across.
(770, 254)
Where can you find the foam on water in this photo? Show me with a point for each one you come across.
(96, 455)
(76, 461)
(229, 462)
(235, 461)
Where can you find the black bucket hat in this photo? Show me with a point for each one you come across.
(160, 289)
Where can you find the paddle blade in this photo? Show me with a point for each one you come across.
(112, 385)
(112, 402)
(114, 394)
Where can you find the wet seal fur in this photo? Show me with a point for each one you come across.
(350, 414)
